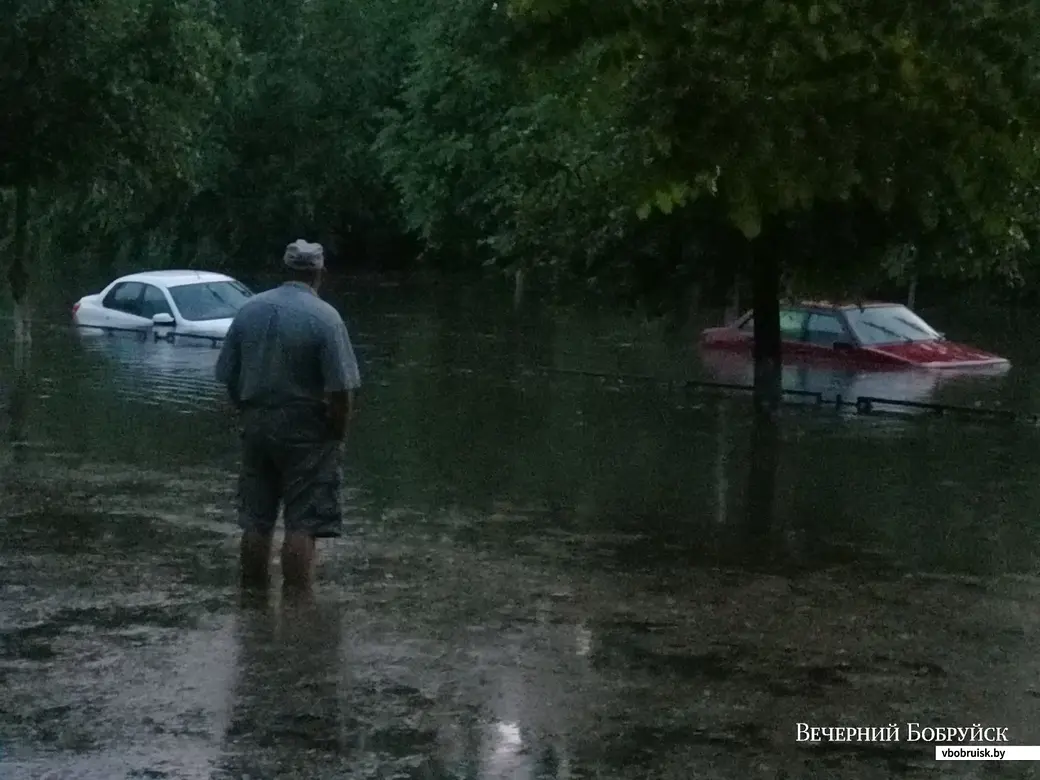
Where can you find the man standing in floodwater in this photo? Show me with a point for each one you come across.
(290, 370)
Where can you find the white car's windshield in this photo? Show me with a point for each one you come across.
(210, 300)
(889, 325)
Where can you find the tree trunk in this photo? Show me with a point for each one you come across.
(518, 289)
(693, 302)
(18, 271)
(183, 242)
(137, 247)
(765, 270)
(911, 296)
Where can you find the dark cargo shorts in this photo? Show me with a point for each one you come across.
(289, 459)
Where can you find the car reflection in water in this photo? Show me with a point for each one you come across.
(158, 372)
(851, 350)
(899, 384)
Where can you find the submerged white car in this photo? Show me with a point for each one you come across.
(191, 303)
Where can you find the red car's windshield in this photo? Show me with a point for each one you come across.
(874, 325)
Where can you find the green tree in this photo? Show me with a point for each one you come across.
(296, 136)
(920, 117)
(496, 163)
(101, 91)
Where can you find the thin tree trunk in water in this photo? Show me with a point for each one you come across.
(733, 306)
(693, 298)
(18, 271)
(138, 251)
(184, 242)
(518, 288)
(766, 303)
(911, 296)
(760, 517)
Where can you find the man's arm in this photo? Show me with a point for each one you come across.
(341, 410)
(342, 378)
(229, 362)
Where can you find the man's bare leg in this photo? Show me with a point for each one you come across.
(298, 562)
(256, 558)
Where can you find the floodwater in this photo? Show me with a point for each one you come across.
(544, 576)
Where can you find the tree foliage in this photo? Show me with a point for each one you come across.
(633, 146)
(114, 89)
(923, 112)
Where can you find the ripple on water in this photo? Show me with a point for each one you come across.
(154, 373)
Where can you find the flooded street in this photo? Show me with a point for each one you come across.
(543, 576)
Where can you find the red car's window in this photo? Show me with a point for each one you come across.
(825, 329)
(792, 324)
(893, 324)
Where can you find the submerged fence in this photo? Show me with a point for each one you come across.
(864, 405)
(158, 333)
(860, 404)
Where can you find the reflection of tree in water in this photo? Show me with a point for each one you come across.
(391, 430)
(760, 509)
(483, 417)
(723, 448)
(528, 396)
(454, 424)
(18, 402)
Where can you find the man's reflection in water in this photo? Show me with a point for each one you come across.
(287, 702)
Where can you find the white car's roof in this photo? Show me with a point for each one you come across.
(175, 278)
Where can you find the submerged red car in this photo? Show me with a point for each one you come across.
(883, 336)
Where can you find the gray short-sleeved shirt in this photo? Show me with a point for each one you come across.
(287, 346)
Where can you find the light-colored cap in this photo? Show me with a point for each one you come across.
(302, 255)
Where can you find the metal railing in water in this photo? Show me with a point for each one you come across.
(861, 404)
(167, 334)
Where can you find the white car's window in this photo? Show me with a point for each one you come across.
(125, 297)
(210, 300)
(154, 302)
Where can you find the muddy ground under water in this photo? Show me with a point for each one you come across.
(125, 651)
(538, 580)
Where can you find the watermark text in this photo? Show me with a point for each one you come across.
(911, 732)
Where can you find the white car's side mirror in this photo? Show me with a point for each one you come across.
(163, 320)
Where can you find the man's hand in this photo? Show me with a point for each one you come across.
(340, 410)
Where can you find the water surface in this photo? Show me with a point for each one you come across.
(544, 575)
